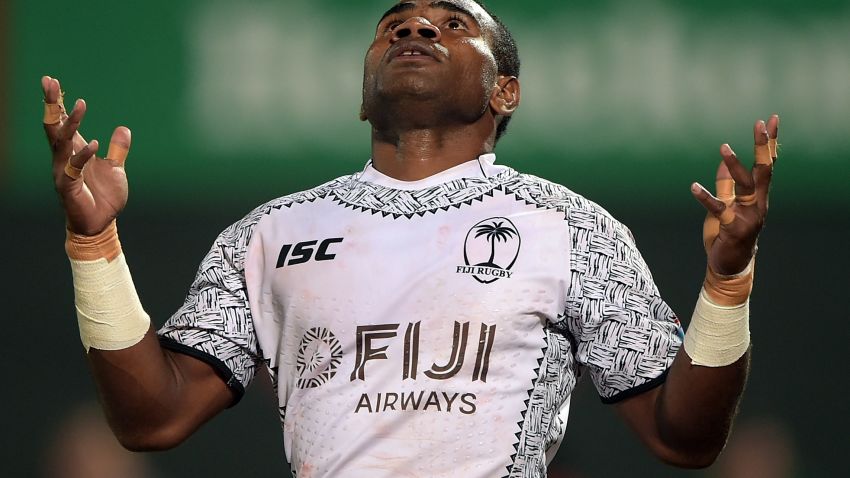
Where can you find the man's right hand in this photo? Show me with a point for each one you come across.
(98, 193)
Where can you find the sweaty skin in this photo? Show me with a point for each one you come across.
(428, 113)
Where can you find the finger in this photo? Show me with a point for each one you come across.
(74, 166)
(773, 132)
(79, 141)
(741, 177)
(763, 169)
(54, 108)
(119, 146)
(70, 126)
(712, 204)
(715, 207)
(725, 189)
(763, 176)
(762, 147)
(51, 89)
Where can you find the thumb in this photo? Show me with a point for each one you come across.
(119, 146)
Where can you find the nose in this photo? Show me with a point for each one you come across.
(416, 26)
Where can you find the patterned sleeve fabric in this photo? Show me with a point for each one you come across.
(214, 324)
(625, 334)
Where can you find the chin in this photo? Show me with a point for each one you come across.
(409, 86)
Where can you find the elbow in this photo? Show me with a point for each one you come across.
(144, 439)
(690, 459)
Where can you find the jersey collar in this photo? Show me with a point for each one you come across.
(482, 167)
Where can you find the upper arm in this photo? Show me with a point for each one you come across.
(214, 326)
(625, 334)
(203, 394)
(639, 413)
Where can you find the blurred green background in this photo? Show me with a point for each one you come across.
(234, 103)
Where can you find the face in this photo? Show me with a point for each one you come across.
(430, 57)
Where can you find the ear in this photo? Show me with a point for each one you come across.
(505, 97)
(363, 116)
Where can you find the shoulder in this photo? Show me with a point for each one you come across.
(247, 223)
(579, 211)
(235, 238)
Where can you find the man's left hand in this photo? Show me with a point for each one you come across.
(737, 213)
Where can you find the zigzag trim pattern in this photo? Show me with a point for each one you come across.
(541, 425)
(377, 199)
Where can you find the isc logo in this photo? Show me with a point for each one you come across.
(303, 252)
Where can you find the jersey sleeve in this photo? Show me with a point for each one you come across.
(624, 334)
(214, 323)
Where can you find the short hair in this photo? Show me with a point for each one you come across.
(507, 58)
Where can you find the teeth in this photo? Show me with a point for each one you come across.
(410, 53)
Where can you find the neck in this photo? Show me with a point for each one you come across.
(416, 154)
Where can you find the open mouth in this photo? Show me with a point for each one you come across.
(410, 51)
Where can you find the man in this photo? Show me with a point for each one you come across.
(430, 315)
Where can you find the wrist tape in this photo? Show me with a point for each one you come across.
(109, 313)
(730, 290)
(717, 335)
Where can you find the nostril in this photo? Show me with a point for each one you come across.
(428, 33)
(402, 32)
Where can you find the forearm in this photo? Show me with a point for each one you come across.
(153, 398)
(147, 392)
(695, 408)
(686, 421)
(139, 389)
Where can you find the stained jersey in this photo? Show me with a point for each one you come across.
(433, 328)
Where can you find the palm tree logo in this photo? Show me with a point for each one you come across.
(503, 239)
(494, 232)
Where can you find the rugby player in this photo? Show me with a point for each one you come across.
(428, 315)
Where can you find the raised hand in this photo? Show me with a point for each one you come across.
(736, 215)
(93, 190)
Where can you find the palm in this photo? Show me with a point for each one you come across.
(99, 198)
(735, 242)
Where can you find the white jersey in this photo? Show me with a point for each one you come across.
(433, 328)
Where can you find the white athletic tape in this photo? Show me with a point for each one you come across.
(109, 313)
(717, 336)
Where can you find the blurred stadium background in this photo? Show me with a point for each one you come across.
(233, 103)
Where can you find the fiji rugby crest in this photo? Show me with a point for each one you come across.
(491, 250)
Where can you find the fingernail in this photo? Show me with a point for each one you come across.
(726, 150)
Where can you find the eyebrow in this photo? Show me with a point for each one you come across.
(452, 7)
(442, 4)
(398, 8)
